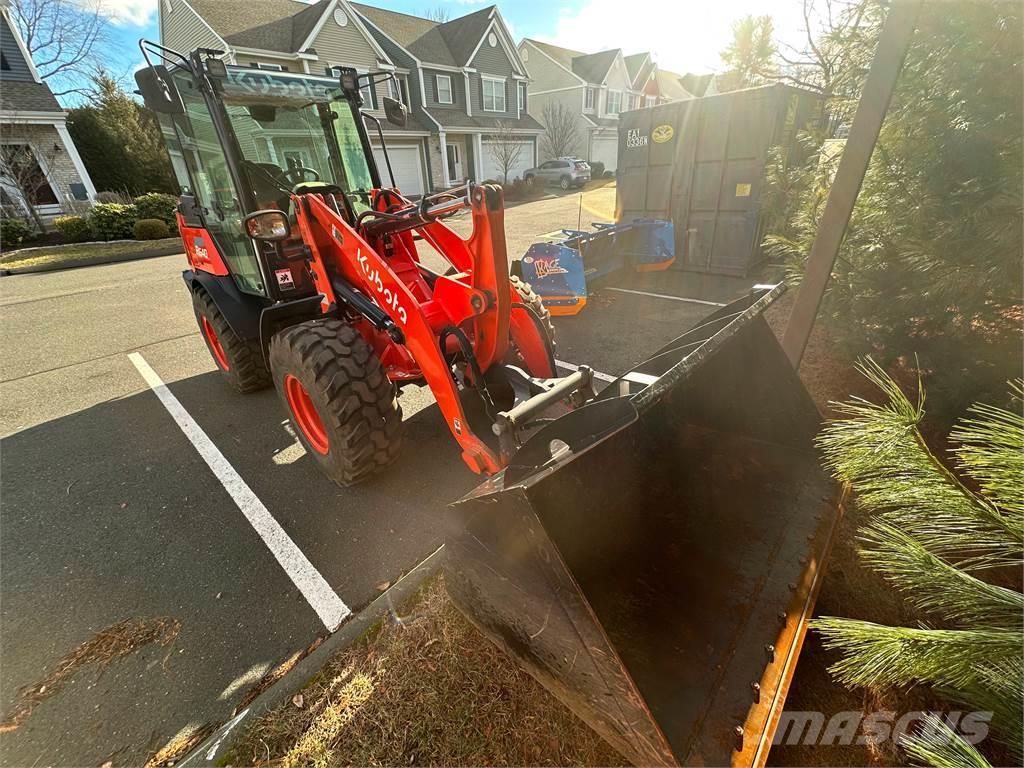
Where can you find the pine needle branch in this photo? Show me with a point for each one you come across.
(876, 656)
(942, 747)
(878, 449)
(991, 451)
(934, 586)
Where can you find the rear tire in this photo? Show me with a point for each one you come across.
(565, 182)
(334, 389)
(238, 360)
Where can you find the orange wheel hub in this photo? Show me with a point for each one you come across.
(214, 342)
(305, 415)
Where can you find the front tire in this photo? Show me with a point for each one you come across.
(565, 182)
(239, 361)
(344, 408)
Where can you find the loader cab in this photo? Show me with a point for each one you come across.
(243, 140)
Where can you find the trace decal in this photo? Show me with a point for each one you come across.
(284, 279)
(545, 267)
(662, 133)
(634, 139)
(458, 426)
(391, 299)
(200, 248)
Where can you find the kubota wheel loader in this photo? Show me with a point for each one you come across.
(651, 555)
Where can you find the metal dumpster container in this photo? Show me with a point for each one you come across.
(652, 557)
(701, 163)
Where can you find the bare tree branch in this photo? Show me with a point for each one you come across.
(561, 136)
(505, 148)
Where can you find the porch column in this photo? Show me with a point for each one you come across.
(478, 156)
(76, 160)
(446, 179)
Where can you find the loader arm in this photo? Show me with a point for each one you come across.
(336, 246)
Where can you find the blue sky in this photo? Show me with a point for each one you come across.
(683, 35)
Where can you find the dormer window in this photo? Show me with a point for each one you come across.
(588, 99)
(444, 89)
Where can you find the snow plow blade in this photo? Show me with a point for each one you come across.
(652, 557)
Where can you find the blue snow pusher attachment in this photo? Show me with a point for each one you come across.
(560, 269)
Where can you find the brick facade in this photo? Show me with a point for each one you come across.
(58, 165)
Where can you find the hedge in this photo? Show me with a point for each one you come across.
(113, 221)
(75, 229)
(13, 232)
(151, 229)
(156, 205)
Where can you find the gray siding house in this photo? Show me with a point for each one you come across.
(34, 137)
(469, 87)
(308, 39)
(596, 87)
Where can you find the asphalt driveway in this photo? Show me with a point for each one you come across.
(110, 515)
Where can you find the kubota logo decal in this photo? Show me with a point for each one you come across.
(545, 267)
(662, 133)
(390, 298)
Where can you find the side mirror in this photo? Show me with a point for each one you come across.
(269, 225)
(158, 91)
(396, 112)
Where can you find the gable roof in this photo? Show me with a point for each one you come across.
(634, 62)
(450, 43)
(592, 67)
(563, 56)
(19, 96)
(670, 85)
(272, 25)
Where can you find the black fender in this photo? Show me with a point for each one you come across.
(286, 313)
(240, 310)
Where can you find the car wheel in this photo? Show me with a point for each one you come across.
(565, 182)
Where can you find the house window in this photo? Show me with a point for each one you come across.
(588, 99)
(494, 95)
(649, 101)
(614, 102)
(367, 92)
(3, 63)
(522, 97)
(28, 175)
(269, 67)
(444, 89)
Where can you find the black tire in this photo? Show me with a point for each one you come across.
(565, 182)
(354, 401)
(529, 180)
(240, 362)
(534, 302)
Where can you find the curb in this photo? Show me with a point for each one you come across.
(219, 743)
(93, 261)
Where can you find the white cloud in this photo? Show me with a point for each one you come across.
(683, 36)
(127, 13)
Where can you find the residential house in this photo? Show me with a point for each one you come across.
(596, 87)
(308, 39)
(34, 136)
(468, 86)
(658, 85)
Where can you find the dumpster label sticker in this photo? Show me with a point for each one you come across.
(742, 190)
(662, 133)
(545, 267)
(634, 139)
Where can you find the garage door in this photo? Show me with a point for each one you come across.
(524, 161)
(405, 162)
(606, 150)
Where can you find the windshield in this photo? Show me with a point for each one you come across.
(293, 130)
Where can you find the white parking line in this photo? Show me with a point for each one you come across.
(318, 593)
(571, 367)
(666, 296)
